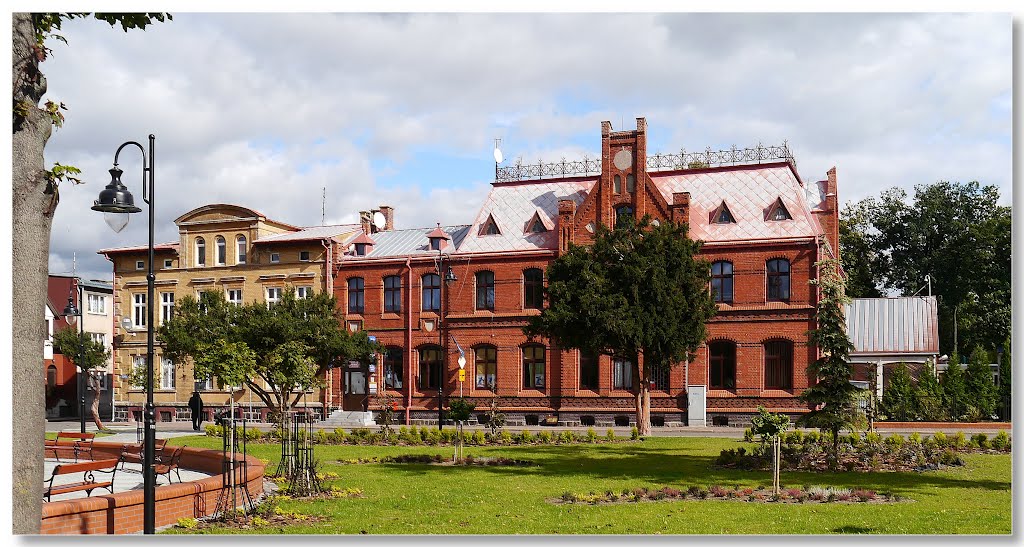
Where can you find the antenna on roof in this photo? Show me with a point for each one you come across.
(323, 206)
(498, 158)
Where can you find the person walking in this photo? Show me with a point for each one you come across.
(195, 404)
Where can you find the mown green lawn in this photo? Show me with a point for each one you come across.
(424, 499)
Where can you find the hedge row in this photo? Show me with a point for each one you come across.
(431, 436)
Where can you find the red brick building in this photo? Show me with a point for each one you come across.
(763, 229)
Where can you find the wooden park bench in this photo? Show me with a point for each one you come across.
(133, 452)
(88, 482)
(164, 465)
(79, 443)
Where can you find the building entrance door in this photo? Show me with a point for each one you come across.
(355, 396)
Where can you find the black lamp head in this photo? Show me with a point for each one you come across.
(70, 310)
(115, 198)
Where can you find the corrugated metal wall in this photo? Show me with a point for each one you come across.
(893, 325)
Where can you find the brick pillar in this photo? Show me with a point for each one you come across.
(681, 207)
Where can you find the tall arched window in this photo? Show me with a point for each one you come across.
(393, 294)
(432, 293)
(630, 183)
(778, 364)
(430, 368)
(722, 365)
(355, 295)
(533, 289)
(778, 280)
(485, 290)
(222, 251)
(721, 281)
(533, 366)
(617, 184)
(200, 252)
(51, 376)
(393, 368)
(486, 367)
(240, 253)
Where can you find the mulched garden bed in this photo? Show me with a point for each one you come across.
(812, 494)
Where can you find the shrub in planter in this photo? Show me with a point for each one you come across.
(339, 435)
(565, 437)
(854, 439)
(812, 437)
(1001, 441)
(914, 439)
(748, 435)
(479, 438)
(320, 437)
(794, 437)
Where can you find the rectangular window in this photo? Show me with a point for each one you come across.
(140, 264)
(97, 304)
(166, 307)
(168, 263)
(304, 256)
(533, 367)
(355, 295)
(622, 373)
(486, 367)
(588, 370)
(533, 289)
(273, 296)
(138, 370)
(166, 374)
(303, 292)
(659, 377)
(98, 337)
(778, 365)
(275, 258)
(204, 384)
(240, 249)
(430, 369)
(139, 310)
(393, 368)
(393, 294)
(235, 297)
(722, 365)
(485, 291)
(432, 292)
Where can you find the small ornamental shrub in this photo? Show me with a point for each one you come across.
(187, 522)
(980, 440)
(914, 439)
(873, 438)
(671, 492)
(895, 440)
(591, 435)
(505, 437)
(1001, 441)
(854, 439)
(544, 437)
(320, 437)
(610, 435)
(960, 440)
(718, 491)
(478, 438)
(527, 437)
(693, 491)
(940, 439)
(865, 495)
(565, 437)
(748, 435)
(634, 433)
(568, 497)
(812, 437)
(793, 492)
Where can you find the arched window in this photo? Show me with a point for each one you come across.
(722, 365)
(222, 251)
(486, 367)
(432, 293)
(485, 290)
(778, 364)
(533, 366)
(533, 289)
(200, 252)
(355, 295)
(51, 376)
(623, 213)
(430, 368)
(721, 281)
(240, 249)
(622, 373)
(778, 280)
(393, 294)
(617, 184)
(393, 368)
(630, 183)
(588, 370)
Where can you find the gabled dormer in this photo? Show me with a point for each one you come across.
(438, 238)
(363, 245)
(489, 227)
(722, 215)
(778, 211)
(536, 225)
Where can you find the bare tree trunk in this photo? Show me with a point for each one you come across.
(32, 218)
(94, 384)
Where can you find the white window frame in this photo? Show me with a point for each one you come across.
(303, 293)
(100, 337)
(139, 312)
(273, 295)
(140, 265)
(166, 306)
(138, 361)
(622, 373)
(241, 249)
(306, 253)
(166, 373)
(221, 248)
(97, 304)
(233, 292)
(168, 263)
(275, 258)
(200, 255)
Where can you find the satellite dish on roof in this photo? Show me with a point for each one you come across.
(498, 158)
(379, 221)
(126, 325)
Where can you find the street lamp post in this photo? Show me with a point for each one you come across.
(73, 315)
(116, 202)
(447, 277)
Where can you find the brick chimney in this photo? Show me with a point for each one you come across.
(828, 216)
(389, 217)
(681, 207)
(365, 221)
(566, 213)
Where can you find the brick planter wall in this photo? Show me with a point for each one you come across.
(121, 512)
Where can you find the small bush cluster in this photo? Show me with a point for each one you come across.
(438, 458)
(807, 494)
(414, 436)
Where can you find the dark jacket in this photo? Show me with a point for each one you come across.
(196, 403)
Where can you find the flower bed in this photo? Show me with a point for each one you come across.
(807, 494)
(431, 436)
(437, 459)
(813, 452)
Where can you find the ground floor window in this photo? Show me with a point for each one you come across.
(659, 377)
(486, 367)
(166, 374)
(622, 373)
(588, 370)
(430, 368)
(722, 365)
(393, 368)
(533, 367)
(778, 364)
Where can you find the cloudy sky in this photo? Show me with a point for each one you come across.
(268, 110)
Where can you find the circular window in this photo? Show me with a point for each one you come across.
(623, 159)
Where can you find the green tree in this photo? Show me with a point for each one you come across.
(637, 290)
(956, 233)
(899, 400)
(34, 189)
(832, 395)
(954, 388)
(1005, 377)
(857, 251)
(978, 385)
(291, 343)
(94, 357)
(929, 395)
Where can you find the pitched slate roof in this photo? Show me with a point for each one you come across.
(412, 242)
(749, 192)
(513, 206)
(893, 325)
